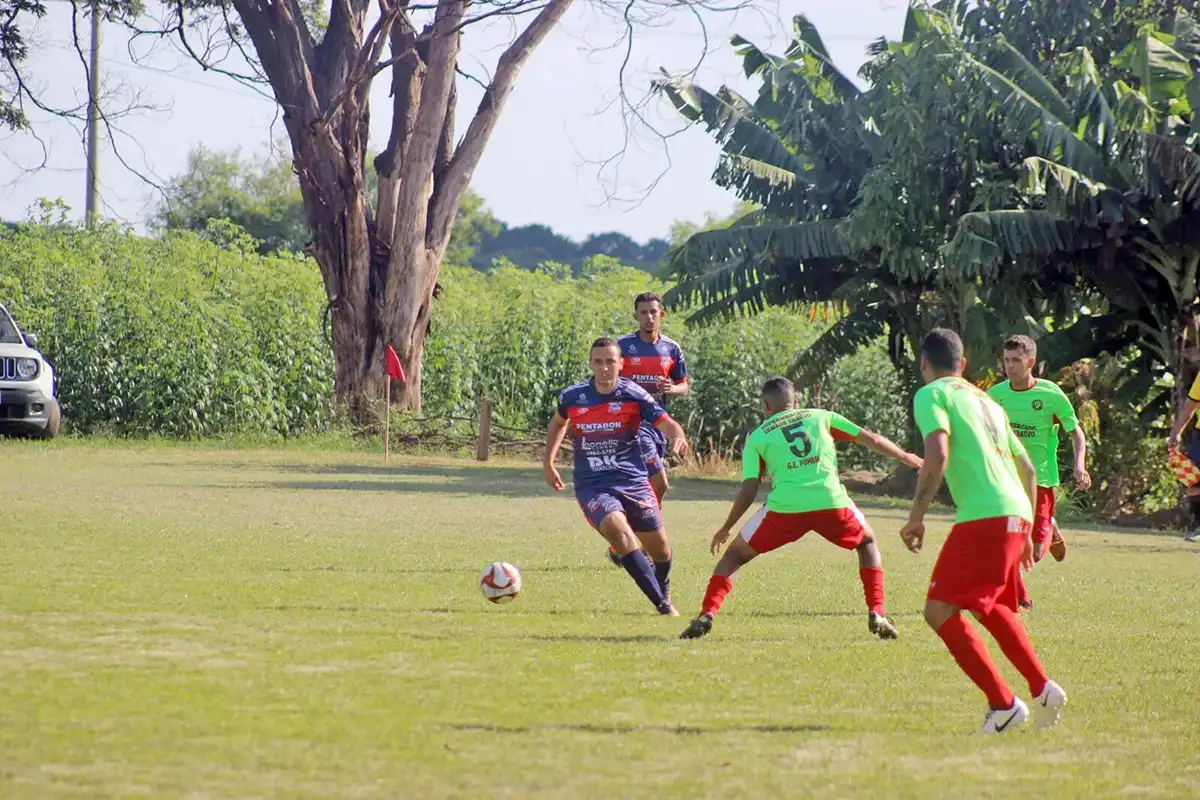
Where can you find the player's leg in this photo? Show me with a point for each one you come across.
(1193, 499)
(969, 573)
(653, 447)
(1043, 522)
(606, 514)
(848, 528)
(654, 450)
(645, 517)
(762, 533)
(1058, 544)
(1006, 628)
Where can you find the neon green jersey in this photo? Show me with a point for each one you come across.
(796, 446)
(980, 472)
(1036, 414)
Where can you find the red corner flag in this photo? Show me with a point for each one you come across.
(394, 367)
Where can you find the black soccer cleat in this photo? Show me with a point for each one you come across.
(698, 627)
(882, 626)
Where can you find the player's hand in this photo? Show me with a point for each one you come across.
(666, 386)
(678, 444)
(1083, 478)
(718, 540)
(553, 479)
(1173, 442)
(913, 534)
(912, 460)
(1027, 554)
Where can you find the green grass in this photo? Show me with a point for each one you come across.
(290, 623)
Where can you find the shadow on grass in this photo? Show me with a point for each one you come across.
(459, 480)
(683, 730)
(460, 570)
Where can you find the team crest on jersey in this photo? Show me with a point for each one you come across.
(665, 361)
(1038, 405)
(635, 360)
(614, 408)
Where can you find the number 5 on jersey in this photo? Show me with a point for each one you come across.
(796, 433)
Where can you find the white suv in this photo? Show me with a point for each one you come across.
(27, 401)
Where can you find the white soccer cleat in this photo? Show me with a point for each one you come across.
(1048, 705)
(1007, 719)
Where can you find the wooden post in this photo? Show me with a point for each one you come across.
(485, 429)
(387, 416)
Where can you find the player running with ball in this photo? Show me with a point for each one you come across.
(994, 486)
(795, 446)
(604, 416)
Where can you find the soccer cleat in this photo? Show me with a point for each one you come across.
(613, 557)
(1193, 535)
(1005, 720)
(1024, 606)
(882, 626)
(1048, 705)
(667, 610)
(698, 627)
(1058, 546)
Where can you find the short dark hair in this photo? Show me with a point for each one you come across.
(604, 341)
(943, 349)
(647, 297)
(779, 391)
(1022, 343)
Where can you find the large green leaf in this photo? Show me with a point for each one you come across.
(800, 241)
(1055, 138)
(985, 239)
(1009, 61)
(1163, 71)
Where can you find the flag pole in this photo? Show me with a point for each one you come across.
(387, 418)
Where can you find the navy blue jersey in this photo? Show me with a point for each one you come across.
(604, 432)
(645, 364)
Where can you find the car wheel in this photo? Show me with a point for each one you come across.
(53, 422)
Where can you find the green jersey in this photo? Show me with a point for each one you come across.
(796, 447)
(981, 470)
(1036, 414)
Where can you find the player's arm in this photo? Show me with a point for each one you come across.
(752, 471)
(933, 469)
(1082, 477)
(1065, 413)
(676, 383)
(554, 439)
(676, 437)
(886, 447)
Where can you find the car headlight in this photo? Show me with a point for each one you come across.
(27, 368)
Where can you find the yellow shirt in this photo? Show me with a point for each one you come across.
(1194, 392)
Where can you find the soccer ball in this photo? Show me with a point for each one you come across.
(500, 582)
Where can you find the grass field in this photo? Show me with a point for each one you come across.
(290, 623)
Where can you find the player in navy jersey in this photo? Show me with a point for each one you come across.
(654, 362)
(604, 416)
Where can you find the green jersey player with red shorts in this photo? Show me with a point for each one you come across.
(796, 447)
(993, 484)
(1036, 409)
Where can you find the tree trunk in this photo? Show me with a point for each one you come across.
(380, 272)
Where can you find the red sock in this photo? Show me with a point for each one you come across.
(872, 581)
(718, 587)
(1010, 634)
(968, 649)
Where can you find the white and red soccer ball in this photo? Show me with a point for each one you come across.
(500, 582)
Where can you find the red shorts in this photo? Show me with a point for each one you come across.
(1043, 516)
(770, 530)
(979, 565)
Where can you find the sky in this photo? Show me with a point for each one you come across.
(543, 163)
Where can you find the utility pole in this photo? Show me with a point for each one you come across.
(93, 121)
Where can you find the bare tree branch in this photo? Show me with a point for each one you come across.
(466, 157)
